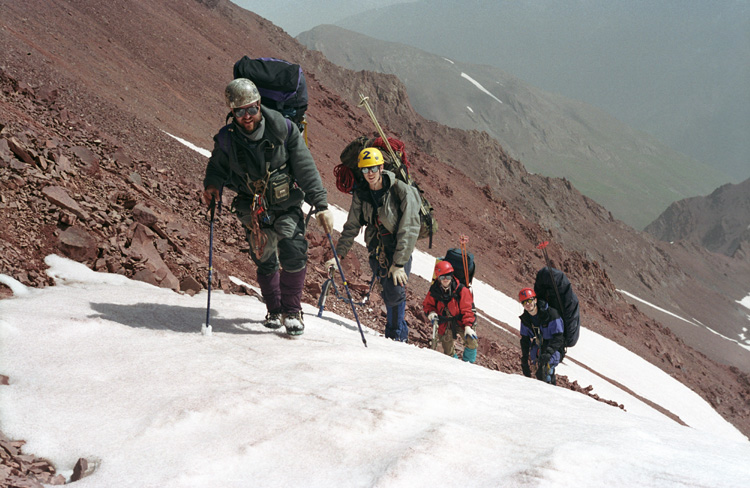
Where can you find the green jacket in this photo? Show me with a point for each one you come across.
(399, 214)
(282, 149)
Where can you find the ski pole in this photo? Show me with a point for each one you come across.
(346, 287)
(324, 292)
(206, 328)
(543, 247)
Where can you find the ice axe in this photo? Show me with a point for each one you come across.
(434, 341)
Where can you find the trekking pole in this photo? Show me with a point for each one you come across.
(206, 328)
(543, 247)
(346, 287)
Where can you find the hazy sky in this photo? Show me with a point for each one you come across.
(295, 16)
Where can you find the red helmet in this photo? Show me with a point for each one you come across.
(525, 294)
(443, 268)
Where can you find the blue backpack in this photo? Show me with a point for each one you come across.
(281, 84)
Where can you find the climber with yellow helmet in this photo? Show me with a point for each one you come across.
(389, 208)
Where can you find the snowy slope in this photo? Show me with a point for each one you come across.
(116, 370)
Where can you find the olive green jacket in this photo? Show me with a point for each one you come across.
(399, 214)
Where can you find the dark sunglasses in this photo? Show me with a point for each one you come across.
(371, 169)
(251, 110)
(446, 277)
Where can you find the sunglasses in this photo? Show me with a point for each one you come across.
(528, 300)
(445, 277)
(251, 110)
(371, 169)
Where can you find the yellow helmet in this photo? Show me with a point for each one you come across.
(369, 156)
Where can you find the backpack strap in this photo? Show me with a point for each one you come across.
(288, 131)
(225, 143)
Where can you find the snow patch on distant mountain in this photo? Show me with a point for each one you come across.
(479, 85)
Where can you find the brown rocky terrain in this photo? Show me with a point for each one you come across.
(87, 170)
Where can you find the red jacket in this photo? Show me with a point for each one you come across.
(456, 302)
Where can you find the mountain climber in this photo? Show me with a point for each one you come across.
(389, 208)
(262, 157)
(542, 336)
(450, 303)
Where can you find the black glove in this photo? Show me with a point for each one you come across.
(544, 360)
(526, 369)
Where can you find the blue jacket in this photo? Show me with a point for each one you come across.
(543, 332)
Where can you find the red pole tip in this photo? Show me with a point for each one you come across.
(543, 245)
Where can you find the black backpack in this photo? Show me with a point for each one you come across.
(453, 256)
(281, 84)
(349, 177)
(547, 279)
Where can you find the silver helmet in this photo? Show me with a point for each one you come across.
(241, 92)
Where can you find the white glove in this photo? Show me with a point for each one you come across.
(432, 316)
(325, 219)
(331, 263)
(399, 275)
(469, 333)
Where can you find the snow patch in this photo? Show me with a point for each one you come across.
(479, 85)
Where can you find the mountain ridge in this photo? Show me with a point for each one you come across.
(675, 69)
(628, 171)
(719, 221)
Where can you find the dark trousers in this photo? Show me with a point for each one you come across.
(394, 297)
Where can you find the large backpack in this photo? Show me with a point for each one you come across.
(281, 84)
(544, 287)
(454, 257)
(349, 177)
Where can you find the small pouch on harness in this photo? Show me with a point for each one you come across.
(279, 186)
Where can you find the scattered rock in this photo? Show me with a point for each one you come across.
(190, 286)
(155, 270)
(89, 160)
(77, 244)
(59, 196)
(144, 215)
